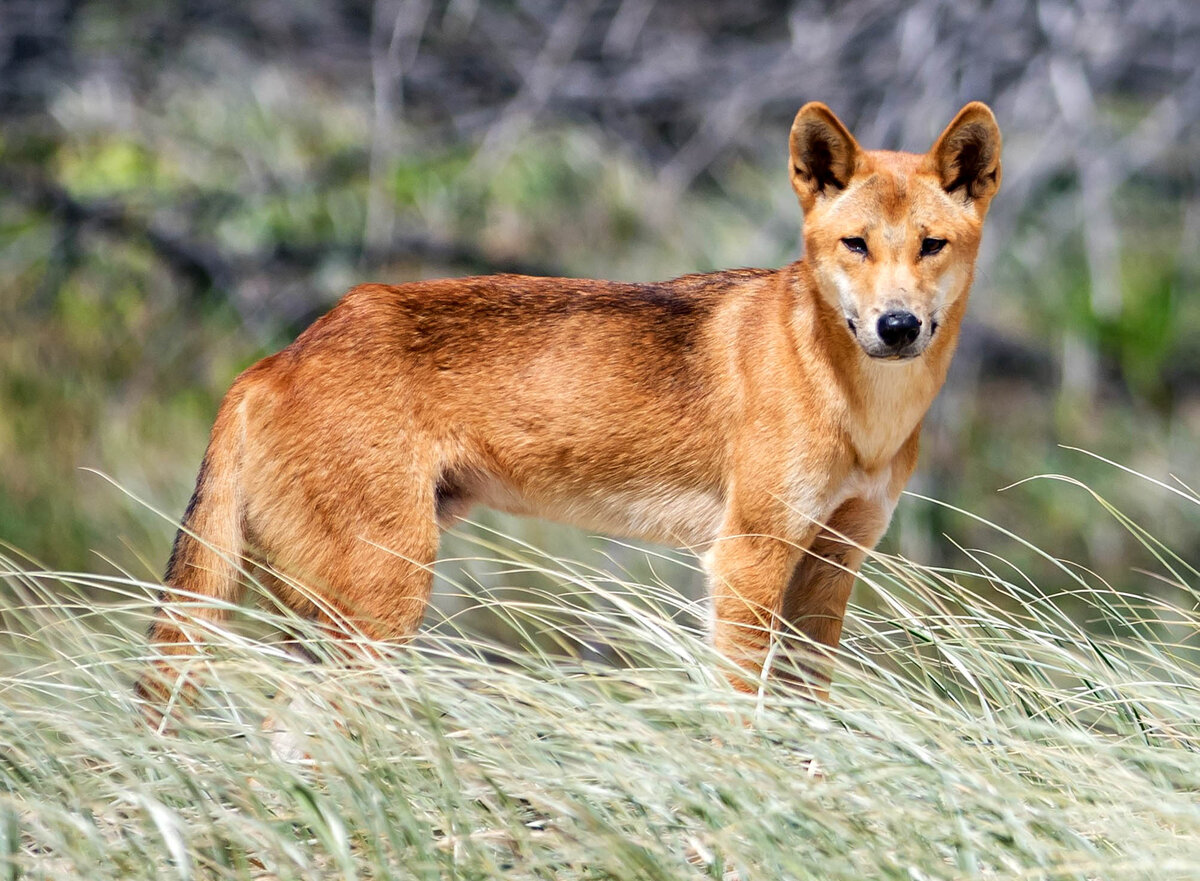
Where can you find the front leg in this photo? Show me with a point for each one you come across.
(814, 603)
(748, 574)
(775, 507)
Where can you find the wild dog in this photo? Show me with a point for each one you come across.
(769, 418)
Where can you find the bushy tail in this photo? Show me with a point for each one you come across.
(202, 576)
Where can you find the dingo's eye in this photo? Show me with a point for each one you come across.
(930, 246)
(856, 244)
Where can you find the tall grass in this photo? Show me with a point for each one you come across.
(975, 731)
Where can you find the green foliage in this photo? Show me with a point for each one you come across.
(103, 166)
(1147, 334)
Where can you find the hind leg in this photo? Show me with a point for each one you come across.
(368, 586)
(379, 594)
(382, 586)
(364, 571)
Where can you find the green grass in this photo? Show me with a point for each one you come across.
(975, 731)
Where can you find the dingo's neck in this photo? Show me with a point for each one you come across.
(892, 400)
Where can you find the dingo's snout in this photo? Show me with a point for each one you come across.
(898, 329)
(896, 333)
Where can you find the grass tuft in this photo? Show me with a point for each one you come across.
(976, 729)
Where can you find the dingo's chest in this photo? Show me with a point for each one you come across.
(895, 398)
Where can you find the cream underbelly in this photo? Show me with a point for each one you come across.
(679, 517)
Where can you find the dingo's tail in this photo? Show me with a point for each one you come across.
(202, 577)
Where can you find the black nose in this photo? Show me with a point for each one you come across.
(898, 329)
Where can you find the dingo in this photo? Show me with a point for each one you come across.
(769, 417)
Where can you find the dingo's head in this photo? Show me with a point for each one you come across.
(892, 237)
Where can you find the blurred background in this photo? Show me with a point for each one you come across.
(185, 184)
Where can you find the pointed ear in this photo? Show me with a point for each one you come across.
(824, 154)
(967, 155)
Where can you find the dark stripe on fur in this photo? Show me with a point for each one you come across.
(180, 547)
